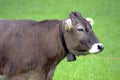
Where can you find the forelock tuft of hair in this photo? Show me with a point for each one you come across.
(74, 14)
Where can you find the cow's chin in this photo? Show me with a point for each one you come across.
(80, 53)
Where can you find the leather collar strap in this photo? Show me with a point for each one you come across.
(70, 56)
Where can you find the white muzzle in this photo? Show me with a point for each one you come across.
(97, 47)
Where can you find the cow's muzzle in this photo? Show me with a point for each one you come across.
(96, 48)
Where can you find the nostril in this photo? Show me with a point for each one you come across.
(100, 47)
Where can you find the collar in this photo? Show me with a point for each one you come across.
(70, 56)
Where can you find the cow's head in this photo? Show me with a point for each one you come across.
(79, 36)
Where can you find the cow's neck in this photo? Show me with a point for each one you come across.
(70, 56)
(58, 54)
(59, 50)
(62, 52)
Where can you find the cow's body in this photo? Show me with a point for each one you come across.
(29, 48)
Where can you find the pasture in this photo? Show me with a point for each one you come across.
(106, 15)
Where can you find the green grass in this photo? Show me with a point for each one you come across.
(106, 14)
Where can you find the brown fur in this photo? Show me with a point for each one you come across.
(29, 49)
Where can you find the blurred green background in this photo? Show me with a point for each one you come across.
(106, 15)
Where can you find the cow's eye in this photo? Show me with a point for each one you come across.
(80, 28)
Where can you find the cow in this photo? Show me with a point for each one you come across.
(31, 50)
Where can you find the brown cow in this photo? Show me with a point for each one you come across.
(31, 50)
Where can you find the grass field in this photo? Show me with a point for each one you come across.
(106, 15)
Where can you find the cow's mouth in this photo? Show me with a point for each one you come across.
(96, 48)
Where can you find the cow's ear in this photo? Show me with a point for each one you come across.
(90, 20)
(67, 24)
